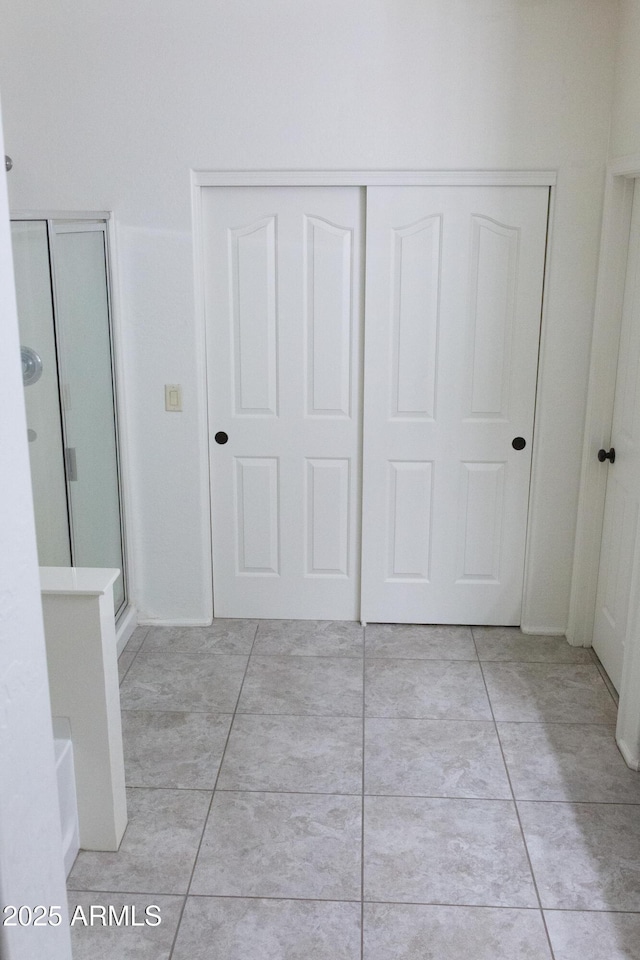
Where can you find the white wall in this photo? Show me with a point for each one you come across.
(625, 124)
(108, 105)
(31, 865)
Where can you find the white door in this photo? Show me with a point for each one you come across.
(453, 304)
(283, 278)
(623, 481)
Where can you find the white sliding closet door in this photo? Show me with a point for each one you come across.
(282, 280)
(453, 304)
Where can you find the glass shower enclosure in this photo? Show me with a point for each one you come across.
(62, 287)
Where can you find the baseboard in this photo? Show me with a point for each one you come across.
(147, 622)
(125, 627)
(543, 631)
(576, 642)
(631, 757)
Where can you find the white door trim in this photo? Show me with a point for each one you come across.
(200, 179)
(628, 726)
(370, 178)
(602, 380)
(619, 188)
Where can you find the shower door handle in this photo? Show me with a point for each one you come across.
(70, 465)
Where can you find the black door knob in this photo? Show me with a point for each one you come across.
(603, 455)
(518, 443)
(221, 437)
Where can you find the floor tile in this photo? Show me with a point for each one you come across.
(279, 869)
(312, 638)
(158, 848)
(545, 692)
(101, 941)
(594, 936)
(159, 680)
(305, 754)
(445, 851)
(567, 761)
(398, 640)
(434, 689)
(268, 930)
(223, 636)
(584, 856)
(281, 845)
(415, 932)
(173, 749)
(322, 686)
(434, 758)
(509, 643)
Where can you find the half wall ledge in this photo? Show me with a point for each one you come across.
(79, 628)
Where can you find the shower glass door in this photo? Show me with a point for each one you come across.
(86, 386)
(42, 392)
(75, 350)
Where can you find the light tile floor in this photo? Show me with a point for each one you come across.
(316, 791)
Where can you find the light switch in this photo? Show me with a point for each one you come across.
(173, 397)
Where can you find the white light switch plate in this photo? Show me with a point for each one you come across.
(173, 397)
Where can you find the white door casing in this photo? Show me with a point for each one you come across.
(620, 525)
(453, 294)
(282, 284)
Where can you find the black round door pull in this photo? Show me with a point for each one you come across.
(518, 443)
(610, 456)
(221, 437)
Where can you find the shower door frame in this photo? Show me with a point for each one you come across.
(98, 221)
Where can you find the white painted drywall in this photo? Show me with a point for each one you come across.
(108, 105)
(31, 860)
(625, 123)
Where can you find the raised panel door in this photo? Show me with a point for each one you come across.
(453, 294)
(283, 282)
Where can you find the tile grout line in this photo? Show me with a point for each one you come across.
(515, 807)
(353, 716)
(388, 796)
(148, 631)
(401, 903)
(199, 654)
(613, 693)
(134, 657)
(213, 793)
(151, 651)
(159, 708)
